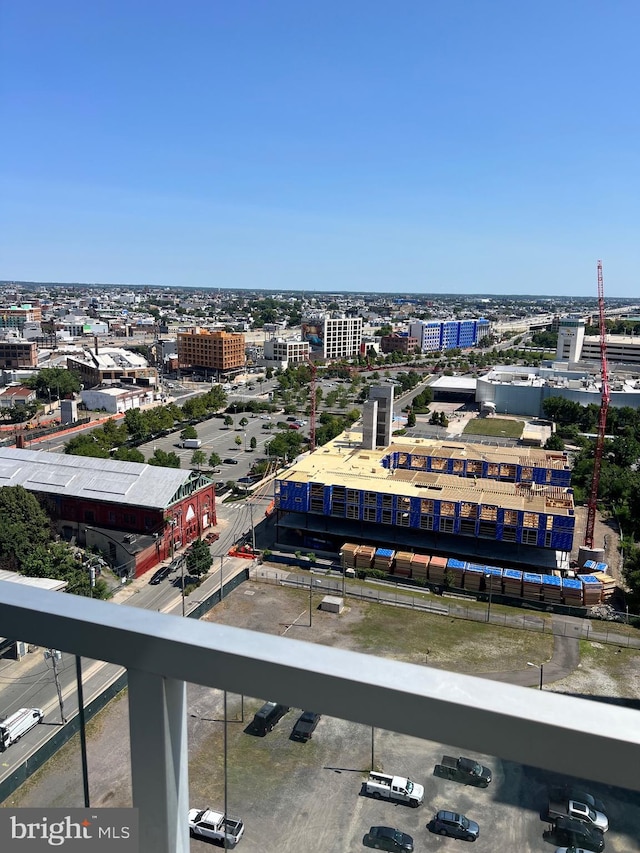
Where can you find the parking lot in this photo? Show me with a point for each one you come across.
(296, 796)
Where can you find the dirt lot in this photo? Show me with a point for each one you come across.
(295, 796)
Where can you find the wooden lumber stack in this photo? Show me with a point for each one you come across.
(437, 568)
(473, 577)
(383, 559)
(572, 592)
(531, 586)
(512, 582)
(456, 568)
(591, 590)
(419, 566)
(348, 553)
(552, 589)
(608, 584)
(364, 557)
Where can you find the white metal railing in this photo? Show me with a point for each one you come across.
(161, 653)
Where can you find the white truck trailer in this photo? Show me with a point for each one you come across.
(397, 788)
(13, 727)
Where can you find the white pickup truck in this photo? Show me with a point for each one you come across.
(205, 823)
(396, 788)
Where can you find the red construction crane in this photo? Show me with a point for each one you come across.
(602, 419)
(312, 406)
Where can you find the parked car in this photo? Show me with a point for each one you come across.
(161, 574)
(266, 718)
(568, 792)
(305, 726)
(455, 826)
(292, 418)
(571, 832)
(294, 426)
(230, 461)
(388, 838)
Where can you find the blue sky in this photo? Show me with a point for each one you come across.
(450, 146)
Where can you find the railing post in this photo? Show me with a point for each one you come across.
(159, 771)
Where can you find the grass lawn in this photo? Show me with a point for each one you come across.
(500, 427)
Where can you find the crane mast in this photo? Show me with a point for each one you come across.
(602, 419)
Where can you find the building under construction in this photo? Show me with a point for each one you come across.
(509, 505)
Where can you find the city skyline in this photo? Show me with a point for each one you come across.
(439, 148)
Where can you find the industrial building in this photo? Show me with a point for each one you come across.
(217, 352)
(437, 335)
(513, 505)
(111, 365)
(517, 390)
(14, 352)
(136, 515)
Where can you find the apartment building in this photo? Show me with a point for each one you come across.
(211, 351)
(437, 335)
(421, 493)
(286, 352)
(332, 337)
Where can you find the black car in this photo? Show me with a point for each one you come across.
(455, 826)
(388, 838)
(571, 832)
(305, 726)
(161, 574)
(230, 461)
(267, 717)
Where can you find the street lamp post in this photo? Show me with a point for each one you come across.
(310, 596)
(539, 666)
(490, 576)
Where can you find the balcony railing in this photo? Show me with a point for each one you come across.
(162, 653)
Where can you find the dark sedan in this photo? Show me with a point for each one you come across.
(388, 838)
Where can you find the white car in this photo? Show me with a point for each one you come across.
(265, 417)
(582, 811)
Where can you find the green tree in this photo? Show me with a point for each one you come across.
(554, 442)
(253, 442)
(198, 458)
(228, 421)
(214, 460)
(56, 382)
(136, 425)
(189, 432)
(128, 454)
(199, 559)
(162, 459)
(243, 422)
(23, 525)
(238, 441)
(411, 418)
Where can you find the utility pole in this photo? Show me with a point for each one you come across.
(83, 734)
(55, 656)
(253, 530)
(182, 581)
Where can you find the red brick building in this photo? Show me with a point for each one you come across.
(137, 515)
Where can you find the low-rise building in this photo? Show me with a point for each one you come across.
(137, 515)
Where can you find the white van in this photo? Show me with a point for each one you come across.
(18, 724)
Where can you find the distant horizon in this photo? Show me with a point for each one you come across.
(396, 294)
(443, 148)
